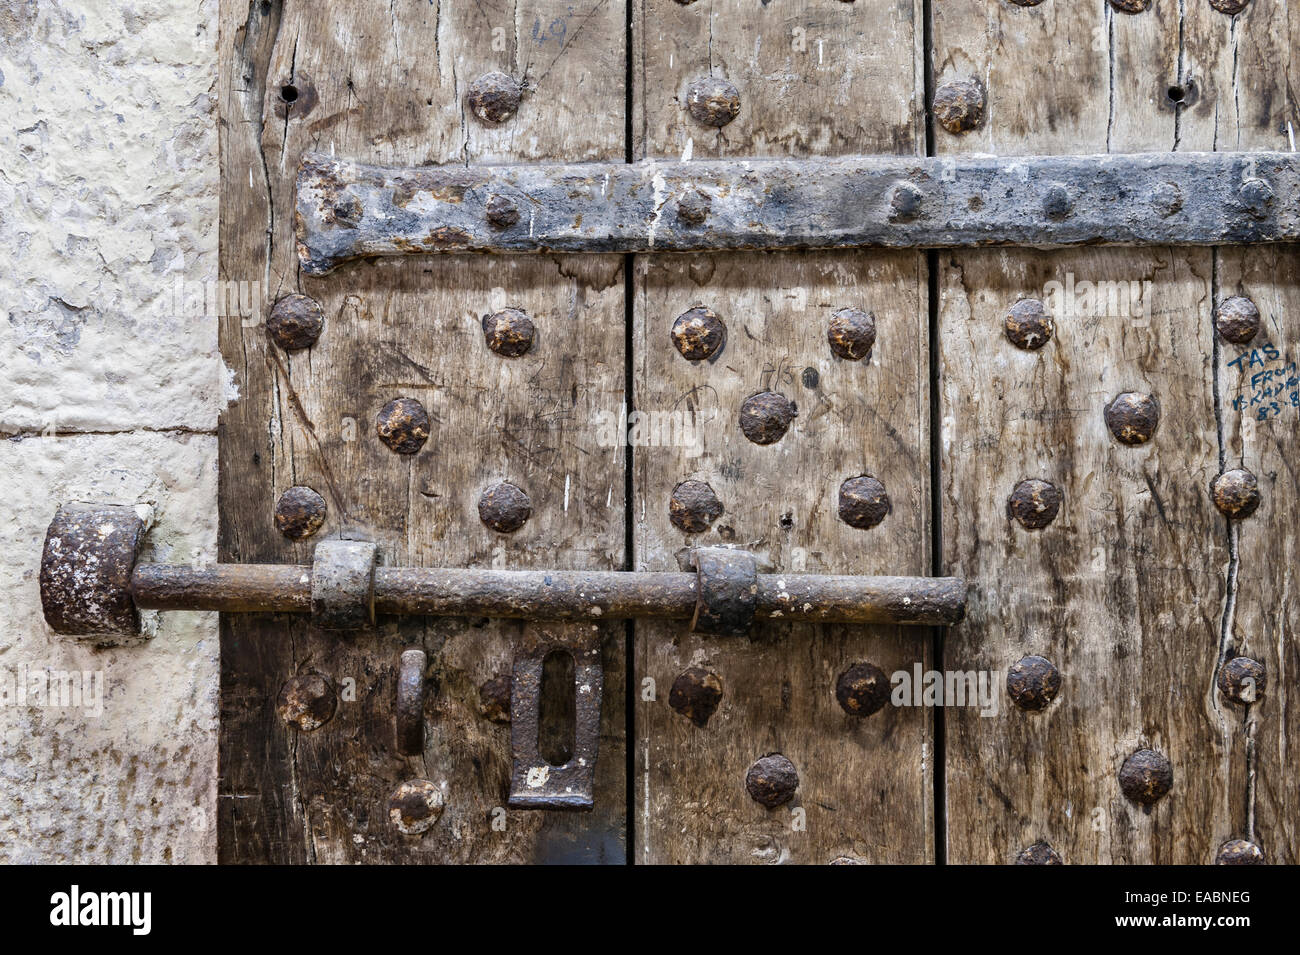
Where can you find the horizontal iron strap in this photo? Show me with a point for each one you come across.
(346, 210)
(552, 595)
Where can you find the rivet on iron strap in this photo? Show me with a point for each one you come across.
(728, 591)
(343, 585)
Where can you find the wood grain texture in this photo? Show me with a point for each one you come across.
(1130, 590)
(1256, 54)
(814, 78)
(388, 85)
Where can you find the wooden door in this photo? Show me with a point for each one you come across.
(897, 420)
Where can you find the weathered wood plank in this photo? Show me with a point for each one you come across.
(1125, 591)
(1251, 59)
(813, 79)
(390, 85)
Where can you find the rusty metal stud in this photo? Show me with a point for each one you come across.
(1167, 199)
(1242, 680)
(1040, 853)
(905, 202)
(1133, 417)
(307, 702)
(1057, 204)
(502, 211)
(295, 321)
(694, 507)
(504, 507)
(1235, 493)
(1254, 197)
(299, 512)
(772, 780)
(1131, 6)
(494, 698)
(494, 97)
(695, 694)
(852, 334)
(509, 332)
(1034, 503)
(693, 207)
(86, 565)
(1237, 320)
(1028, 325)
(403, 425)
(1230, 7)
(1033, 682)
(343, 585)
(1239, 852)
(698, 333)
(410, 702)
(863, 503)
(959, 105)
(713, 101)
(415, 806)
(1146, 776)
(765, 417)
(862, 689)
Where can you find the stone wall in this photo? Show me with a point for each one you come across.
(110, 386)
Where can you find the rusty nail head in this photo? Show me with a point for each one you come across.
(1130, 6)
(693, 207)
(299, 512)
(295, 321)
(504, 507)
(403, 425)
(1256, 196)
(766, 416)
(852, 334)
(772, 780)
(1235, 493)
(494, 97)
(698, 333)
(1237, 320)
(1146, 776)
(1057, 204)
(1034, 503)
(502, 211)
(959, 105)
(695, 694)
(494, 698)
(1033, 682)
(1232, 7)
(1133, 417)
(713, 101)
(905, 202)
(1242, 680)
(1239, 852)
(864, 503)
(415, 806)
(862, 689)
(1028, 325)
(1167, 199)
(509, 332)
(307, 701)
(694, 507)
(1040, 853)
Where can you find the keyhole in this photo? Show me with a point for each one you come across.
(558, 718)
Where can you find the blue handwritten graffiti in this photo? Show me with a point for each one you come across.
(1269, 383)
